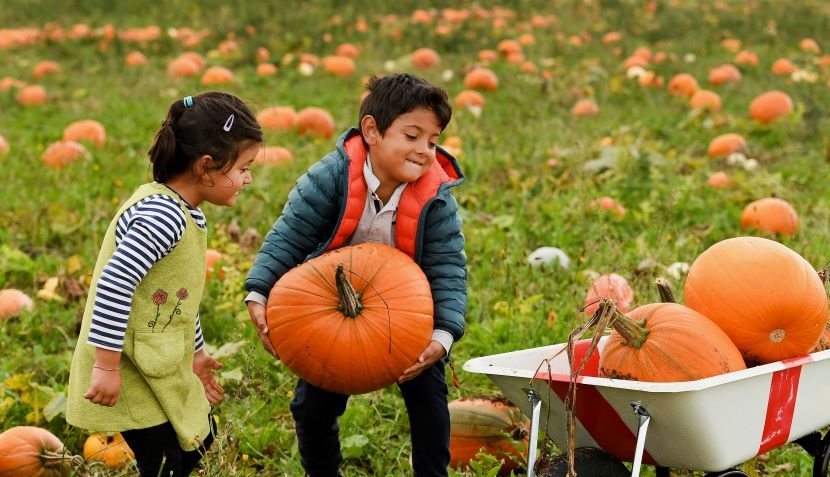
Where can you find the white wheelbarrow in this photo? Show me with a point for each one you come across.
(711, 424)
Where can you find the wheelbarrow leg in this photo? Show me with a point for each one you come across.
(536, 410)
(645, 419)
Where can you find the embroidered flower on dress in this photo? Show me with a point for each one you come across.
(160, 297)
(182, 294)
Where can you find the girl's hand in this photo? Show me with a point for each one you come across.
(104, 386)
(257, 313)
(435, 351)
(203, 367)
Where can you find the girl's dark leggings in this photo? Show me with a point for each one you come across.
(158, 454)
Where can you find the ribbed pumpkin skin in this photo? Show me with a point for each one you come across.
(489, 423)
(483, 417)
(28, 451)
(759, 291)
(682, 345)
(352, 355)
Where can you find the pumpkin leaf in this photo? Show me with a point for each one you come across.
(74, 264)
(12, 261)
(227, 349)
(234, 374)
(63, 221)
(607, 159)
(19, 382)
(55, 407)
(352, 446)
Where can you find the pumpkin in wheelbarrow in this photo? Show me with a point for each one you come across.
(665, 342)
(765, 296)
(352, 320)
(490, 425)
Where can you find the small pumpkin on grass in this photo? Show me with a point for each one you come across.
(766, 297)
(352, 320)
(315, 121)
(770, 214)
(110, 450)
(488, 424)
(29, 451)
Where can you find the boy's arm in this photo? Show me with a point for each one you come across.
(307, 221)
(445, 265)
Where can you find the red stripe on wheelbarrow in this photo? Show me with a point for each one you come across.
(594, 412)
(783, 390)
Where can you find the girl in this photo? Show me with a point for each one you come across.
(146, 288)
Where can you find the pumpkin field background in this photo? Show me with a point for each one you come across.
(534, 173)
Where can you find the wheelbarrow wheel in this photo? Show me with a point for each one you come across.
(822, 457)
(727, 473)
(588, 461)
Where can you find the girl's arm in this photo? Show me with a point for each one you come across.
(105, 384)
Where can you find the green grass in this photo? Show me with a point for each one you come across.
(51, 222)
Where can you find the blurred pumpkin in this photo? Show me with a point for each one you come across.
(705, 100)
(726, 144)
(86, 130)
(339, 65)
(769, 106)
(467, 98)
(783, 67)
(425, 58)
(613, 287)
(61, 153)
(213, 264)
(481, 78)
(273, 155)
(585, 107)
(13, 302)
(45, 68)
(32, 95)
(135, 58)
(682, 84)
(277, 118)
(723, 74)
(719, 180)
(110, 450)
(317, 121)
(217, 75)
(770, 214)
(491, 425)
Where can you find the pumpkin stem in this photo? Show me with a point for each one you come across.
(665, 291)
(633, 332)
(350, 303)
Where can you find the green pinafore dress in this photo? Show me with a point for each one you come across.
(158, 384)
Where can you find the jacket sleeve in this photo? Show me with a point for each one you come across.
(306, 223)
(444, 263)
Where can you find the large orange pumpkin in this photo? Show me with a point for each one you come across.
(112, 451)
(682, 84)
(352, 320)
(765, 296)
(666, 342)
(487, 424)
(28, 451)
(726, 144)
(277, 117)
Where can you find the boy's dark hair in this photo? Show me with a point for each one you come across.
(202, 125)
(396, 94)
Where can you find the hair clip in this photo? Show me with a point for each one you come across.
(188, 102)
(228, 123)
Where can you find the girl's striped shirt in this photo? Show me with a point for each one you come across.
(145, 233)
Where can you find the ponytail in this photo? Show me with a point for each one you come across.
(216, 124)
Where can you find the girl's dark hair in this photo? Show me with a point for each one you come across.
(396, 94)
(202, 125)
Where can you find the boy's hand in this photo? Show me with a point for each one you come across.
(104, 387)
(203, 367)
(433, 353)
(257, 313)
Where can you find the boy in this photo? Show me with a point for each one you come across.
(386, 182)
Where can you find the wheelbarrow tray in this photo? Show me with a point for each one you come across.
(710, 424)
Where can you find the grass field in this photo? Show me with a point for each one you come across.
(532, 170)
